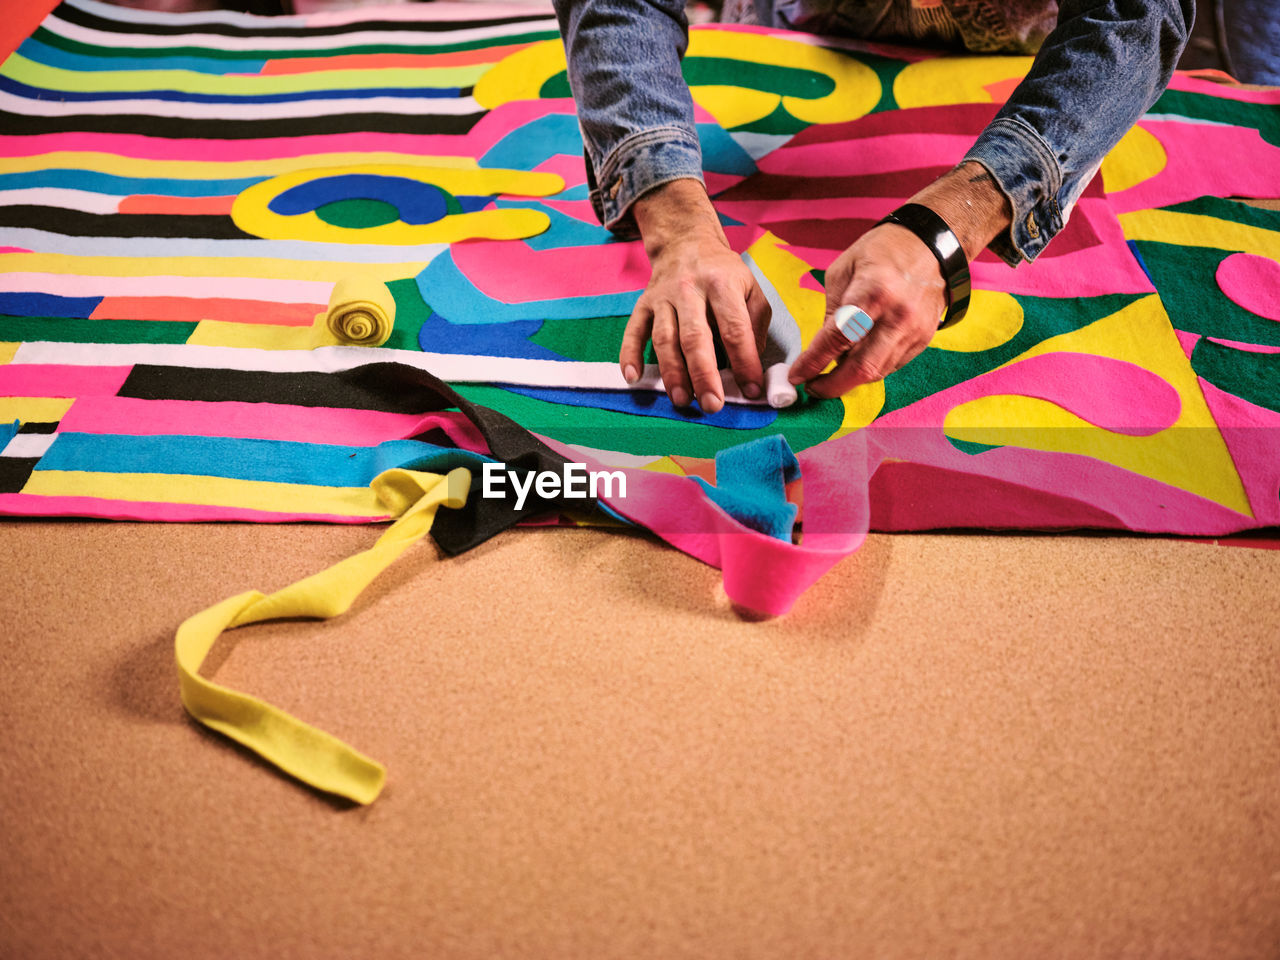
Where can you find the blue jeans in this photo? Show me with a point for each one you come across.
(1096, 73)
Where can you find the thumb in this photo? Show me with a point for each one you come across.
(827, 344)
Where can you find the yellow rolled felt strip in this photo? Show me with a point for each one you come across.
(311, 755)
(362, 312)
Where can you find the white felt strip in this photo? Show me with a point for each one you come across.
(85, 201)
(456, 368)
(439, 10)
(319, 107)
(58, 243)
(31, 445)
(334, 44)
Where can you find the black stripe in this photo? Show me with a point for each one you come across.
(355, 389)
(85, 19)
(15, 472)
(36, 426)
(176, 128)
(76, 223)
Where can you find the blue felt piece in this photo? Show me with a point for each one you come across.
(565, 231)
(438, 335)
(451, 294)
(723, 154)
(734, 416)
(107, 183)
(64, 60)
(416, 93)
(417, 202)
(47, 305)
(751, 481)
(7, 432)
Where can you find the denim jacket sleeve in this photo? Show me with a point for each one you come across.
(1104, 64)
(634, 107)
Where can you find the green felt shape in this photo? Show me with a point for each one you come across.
(1043, 317)
(411, 313)
(1237, 113)
(971, 447)
(1230, 210)
(780, 123)
(357, 213)
(1187, 281)
(80, 330)
(597, 339)
(803, 425)
(286, 53)
(1248, 375)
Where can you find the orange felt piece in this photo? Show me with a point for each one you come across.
(20, 21)
(388, 61)
(193, 310)
(178, 206)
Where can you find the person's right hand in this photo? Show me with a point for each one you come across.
(696, 281)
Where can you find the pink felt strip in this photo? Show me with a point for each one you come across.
(439, 10)
(1246, 347)
(1252, 282)
(1239, 164)
(826, 208)
(229, 151)
(905, 151)
(514, 272)
(58, 380)
(1224, 91)
(249, 288)
(35, 505)
(570, 168)
(259, 421)
(188, 310)
(14, 250)
(760, 572)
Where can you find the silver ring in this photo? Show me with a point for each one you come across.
(854, 322)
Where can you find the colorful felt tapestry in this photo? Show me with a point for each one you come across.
(180, 193)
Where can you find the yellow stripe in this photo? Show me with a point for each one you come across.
(207, 491)
(260, 268)
(37, 409)
(1197, 230)
(7, 350)
(134, 167)
(35, 74)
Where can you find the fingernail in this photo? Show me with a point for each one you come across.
(679, 397)
(751, 390)
(710, 403)
(629, 373)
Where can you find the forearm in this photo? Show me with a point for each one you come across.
(1100, 69)
(634, 108)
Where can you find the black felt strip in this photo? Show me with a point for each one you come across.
(15, 472)
(480, 518)
(35, 426)
(85, 19)
(179, 128)
(77, 223)
(154, 382)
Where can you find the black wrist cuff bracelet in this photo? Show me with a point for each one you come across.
(939, 238)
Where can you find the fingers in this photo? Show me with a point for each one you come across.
(882, 351)
(666, 344)
(739, 335)
(634, 338)
(699, 349)
(827, 344)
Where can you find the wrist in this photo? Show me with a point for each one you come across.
(676, 212)
(972, 204)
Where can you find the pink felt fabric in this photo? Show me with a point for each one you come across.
(26, 504)
(1252, 435)
(1252, 282)
(210, 288)
(57, 380)
(517, 273)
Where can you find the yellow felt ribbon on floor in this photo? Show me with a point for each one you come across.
(361, 313)
(311, 755)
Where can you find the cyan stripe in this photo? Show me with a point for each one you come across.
(53, 57)
(276, 461)
(115, 186)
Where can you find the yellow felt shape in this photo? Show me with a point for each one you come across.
(311, 755)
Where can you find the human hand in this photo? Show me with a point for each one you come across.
(894, 277)
(696, 281)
